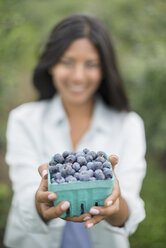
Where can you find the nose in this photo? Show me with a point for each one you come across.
(79, 73)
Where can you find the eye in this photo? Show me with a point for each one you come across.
(92, 64)
(68, 63)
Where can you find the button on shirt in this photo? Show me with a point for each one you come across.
(38, 130)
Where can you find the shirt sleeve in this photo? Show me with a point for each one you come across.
(23, 159)
(131, 171)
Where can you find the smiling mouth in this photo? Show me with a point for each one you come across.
(77, 88)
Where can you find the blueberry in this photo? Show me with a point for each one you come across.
(101, 154)
(83, 168)
(107, 164)
(98, 165)
(84, 176)
(91, 172)
(92, 153)
(81, 160)
(69, 169)
(92, 179)
(70, 179)
(52, 163)
(71, 158)
(78, 154)
(58, 158)
(89, 158)
(65, 154)
(85, 150)
(52, 169)
(100, 159)
(63, 172)
(57, 175)
(91, 165)
(61, 167)
(108, 173)
(76, 175)
(60, 180)
(76, 166)
(53, 181)
(99, 174)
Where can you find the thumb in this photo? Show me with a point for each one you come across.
(114, 160)
(43, 170)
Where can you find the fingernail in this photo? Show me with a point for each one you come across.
(87, 218)
(114, 156)
(65, 205)
(109, 203)
(44, 172)
(89, 225)
(94, 211)
(51, 196)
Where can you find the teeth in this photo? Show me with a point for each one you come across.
(77, 88)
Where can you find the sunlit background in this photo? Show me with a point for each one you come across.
(138, 31)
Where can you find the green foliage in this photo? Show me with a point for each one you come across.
(151, 232)
(5, 201)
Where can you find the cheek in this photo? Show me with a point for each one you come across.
(96, 77)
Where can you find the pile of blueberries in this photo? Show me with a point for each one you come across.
(79, 166)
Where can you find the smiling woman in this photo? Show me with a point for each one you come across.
(82, 104)
(78, 73)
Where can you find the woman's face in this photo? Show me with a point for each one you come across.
(78, 73)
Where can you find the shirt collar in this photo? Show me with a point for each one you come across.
(101, 116)
(100, 119)
(56, 111)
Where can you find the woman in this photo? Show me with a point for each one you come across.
(82, 104)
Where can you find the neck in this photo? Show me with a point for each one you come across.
(76, 110)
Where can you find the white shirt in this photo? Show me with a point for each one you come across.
(38, 130)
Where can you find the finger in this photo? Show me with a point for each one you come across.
(43, 170)
(114, 195)
(81, 218)
(105, 211)
(93, 221)
(45, 197)
(55, 211)
(43, 185)
(114, 160)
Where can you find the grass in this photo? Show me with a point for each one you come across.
(151, 232)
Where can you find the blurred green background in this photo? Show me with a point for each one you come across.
(138, 31)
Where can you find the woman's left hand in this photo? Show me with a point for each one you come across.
(115, 209)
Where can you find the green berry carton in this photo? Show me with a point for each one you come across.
(82, 195)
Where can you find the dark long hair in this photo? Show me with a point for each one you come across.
(65, 32)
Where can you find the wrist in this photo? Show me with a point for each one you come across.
(121, 214)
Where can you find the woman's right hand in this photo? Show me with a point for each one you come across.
(44, 201)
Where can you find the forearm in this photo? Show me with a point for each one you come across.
(120, 217)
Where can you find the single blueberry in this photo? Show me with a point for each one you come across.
(81, 160)
(99, 174)
(107, 164)
(71, 158)
(85, 150)
(84, 176)
(89, 158)
(91, 165)
(100, 159)
(76, 175)
(65, 154)
(76, 166)
(58, 158)
(60, 180)
(92, 153)
(108, 173)
(101, 154)
(52, 169)
(98, 165)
